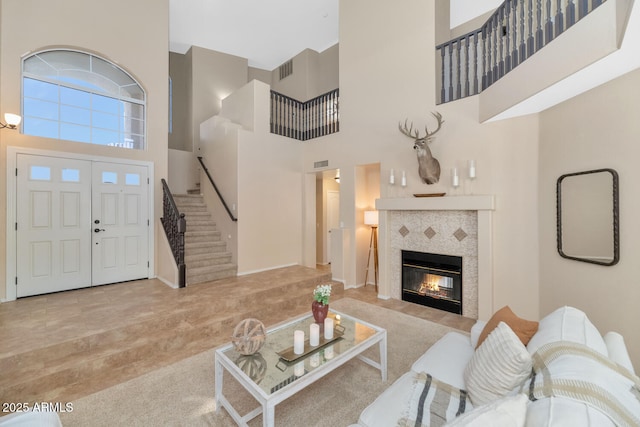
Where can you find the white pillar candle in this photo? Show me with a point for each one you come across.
(472, 169)
(404, 179)
(328, 328)
(298, 342)
(314, 334)
(455, 179)
(392, 178)
(298, 369)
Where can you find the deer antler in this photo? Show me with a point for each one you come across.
(416, 134)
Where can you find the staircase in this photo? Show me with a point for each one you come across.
(206, 255)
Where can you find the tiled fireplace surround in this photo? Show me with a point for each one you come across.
(453, 225)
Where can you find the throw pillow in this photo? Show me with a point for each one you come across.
(498, 366)
(524, 329)
(509, 411)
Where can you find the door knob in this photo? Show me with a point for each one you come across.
(97, 230)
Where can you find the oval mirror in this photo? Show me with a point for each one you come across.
(587, 216)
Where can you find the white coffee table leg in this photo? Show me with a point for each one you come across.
(383, 357)
(268, 415)
(219, 372)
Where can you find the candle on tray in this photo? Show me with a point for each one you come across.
(314, 334)
(298, 342)
(472, 169)
(328, 328)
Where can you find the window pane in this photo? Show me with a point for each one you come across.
(41, 90)
(79, 116)
(136, 126)
(40, 127)
(106, 104)
(41, 109)
(70, 175)
(78, 98)
(40, 173)
(105, 137)
(134, 141)
(105, 121)
(135, 111)
(132, 179)
(109, 178)
(75, 133)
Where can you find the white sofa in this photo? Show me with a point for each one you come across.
(447, 359)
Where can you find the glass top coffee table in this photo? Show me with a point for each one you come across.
(271, 377)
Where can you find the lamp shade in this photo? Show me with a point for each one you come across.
(371, 217)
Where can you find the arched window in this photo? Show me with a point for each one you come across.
(78, 96)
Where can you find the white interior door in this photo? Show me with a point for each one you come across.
(79, 223)
(333, 217)
(53, 211)
(120, 225)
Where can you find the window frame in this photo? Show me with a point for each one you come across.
(62, 83)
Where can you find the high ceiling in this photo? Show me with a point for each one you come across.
(267, 33)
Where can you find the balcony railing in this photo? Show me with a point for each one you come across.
(305, 120)
(514, 32)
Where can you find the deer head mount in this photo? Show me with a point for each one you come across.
(428, 166)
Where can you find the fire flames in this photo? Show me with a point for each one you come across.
(430, 285)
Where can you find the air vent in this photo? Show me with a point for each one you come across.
(321, 164)
(286, 69)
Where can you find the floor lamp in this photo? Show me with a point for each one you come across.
(371, 219)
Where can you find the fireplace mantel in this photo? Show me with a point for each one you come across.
(447, 203)
(483, 205)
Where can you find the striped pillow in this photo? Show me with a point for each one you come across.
(498, 366)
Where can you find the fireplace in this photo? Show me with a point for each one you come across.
(433, 280)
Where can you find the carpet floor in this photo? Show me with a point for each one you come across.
(182, 394)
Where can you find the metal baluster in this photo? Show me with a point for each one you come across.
(548, 27)
(583, 8)
(475, 63)
(507, 35)
(467, 90)
(539, 34)
(530, 41)
(442, 76)
(559, 19)
(484, 57)
(500, 33)
(571, 13)
(451, 98)
(458, 76)
(495, 75)
(523, 47)
(514, 27)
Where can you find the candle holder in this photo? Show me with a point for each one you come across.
(455, 179)
(471, 173)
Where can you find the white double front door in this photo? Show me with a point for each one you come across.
(80, 223)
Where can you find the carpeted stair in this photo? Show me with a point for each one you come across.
(206, 255)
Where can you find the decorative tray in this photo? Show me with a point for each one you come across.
(289, 356)
(429, 195)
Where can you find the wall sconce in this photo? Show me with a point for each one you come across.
(13, 120)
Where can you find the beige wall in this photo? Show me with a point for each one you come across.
(314, 73)
(376, 93)
(31, 25)
(180, 71)
(598, 129)
(214, 76)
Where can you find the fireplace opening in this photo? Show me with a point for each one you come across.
(433, 280)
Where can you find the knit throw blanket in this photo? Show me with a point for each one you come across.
(433, 403)
(577, 372)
